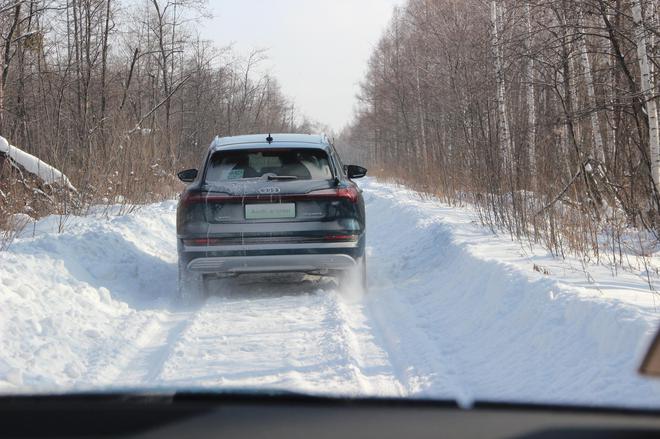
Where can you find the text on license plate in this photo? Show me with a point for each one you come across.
(270, 211)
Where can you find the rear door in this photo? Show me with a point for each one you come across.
(276, 195)
(267, 185)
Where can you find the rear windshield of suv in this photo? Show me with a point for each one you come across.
(304, 164)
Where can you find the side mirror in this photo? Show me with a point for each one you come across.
(355, 171)
(187, 176)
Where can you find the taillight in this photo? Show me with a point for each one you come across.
(348, 193)
(188, 198)
(196, 198)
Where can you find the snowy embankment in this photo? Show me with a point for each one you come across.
(452, 312)
(47, 173)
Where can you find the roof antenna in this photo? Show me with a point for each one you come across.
(269, 139)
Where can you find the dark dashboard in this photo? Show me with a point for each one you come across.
(207, 415)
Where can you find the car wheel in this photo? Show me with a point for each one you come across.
(191, 285)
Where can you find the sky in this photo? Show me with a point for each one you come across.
(317, 49)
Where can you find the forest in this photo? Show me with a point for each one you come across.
(543, 113)
(119, 95)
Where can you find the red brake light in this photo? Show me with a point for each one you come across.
(194, 198)
(349, 193)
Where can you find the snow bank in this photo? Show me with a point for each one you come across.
(466, 313)
(34, 165)
(71, 302)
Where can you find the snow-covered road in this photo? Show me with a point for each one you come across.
(452, 312)
(309, 340)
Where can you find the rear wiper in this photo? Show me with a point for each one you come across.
(282, 177)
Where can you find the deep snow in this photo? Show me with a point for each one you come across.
(452, 312)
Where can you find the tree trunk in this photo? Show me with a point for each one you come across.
(422, 122)
(104, 59)
(598, 148)
(5, 64)
(647, 90)
(531, 103)
(505, 138)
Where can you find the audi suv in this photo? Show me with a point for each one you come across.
(270, 203)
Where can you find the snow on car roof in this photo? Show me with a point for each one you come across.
(279, 140)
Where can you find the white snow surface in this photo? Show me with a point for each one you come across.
(47, 173)
(453, 311)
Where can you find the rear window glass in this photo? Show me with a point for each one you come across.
(304, 164)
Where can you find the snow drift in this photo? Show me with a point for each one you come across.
(47, 173)
(452, 312)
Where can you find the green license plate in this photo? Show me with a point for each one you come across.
(270, 211)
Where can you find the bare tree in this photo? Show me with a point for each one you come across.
(647, 90)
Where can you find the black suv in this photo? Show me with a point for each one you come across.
(270, 203)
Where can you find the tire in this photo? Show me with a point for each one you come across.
(191, 285)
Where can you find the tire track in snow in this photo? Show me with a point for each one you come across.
(274, 336)
(293, 339)
(139, 363)
(144, 366)
(422, 367)
(363, 355)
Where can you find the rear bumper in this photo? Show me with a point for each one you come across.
(271, 263)
(265, 258)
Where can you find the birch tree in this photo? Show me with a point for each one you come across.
(531, 103)
(647, 90)
(505, 138)
(598, 148)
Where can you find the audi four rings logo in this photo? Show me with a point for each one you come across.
(269, 190)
